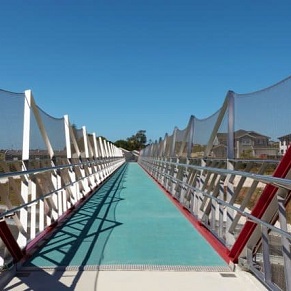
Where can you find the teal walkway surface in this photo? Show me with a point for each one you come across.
(128, 223)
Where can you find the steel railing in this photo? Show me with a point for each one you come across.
(223, 200)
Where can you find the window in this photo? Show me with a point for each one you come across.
(261, 141)
(246, 141)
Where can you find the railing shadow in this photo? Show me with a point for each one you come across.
(79, 242)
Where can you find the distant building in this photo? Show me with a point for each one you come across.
(247, 144)
(285, 142)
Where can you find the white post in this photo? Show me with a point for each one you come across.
(95, 146)
(97, 175)
(22, 239)
(85, 142)
(26, 126)
(67, 135)
(33, 212)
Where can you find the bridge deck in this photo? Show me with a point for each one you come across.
(128, 236)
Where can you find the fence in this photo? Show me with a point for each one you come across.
(231, 171)
(47, 167)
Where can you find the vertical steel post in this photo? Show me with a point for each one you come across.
(190, 136)
(286, 248)
(230, 136)
(67, 135)
(230, 157)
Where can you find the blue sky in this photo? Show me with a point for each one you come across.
(127, 65)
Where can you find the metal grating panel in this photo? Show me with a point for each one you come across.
(136, 268)
(228, 275)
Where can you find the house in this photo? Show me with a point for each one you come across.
(284, 143)
(247, 144)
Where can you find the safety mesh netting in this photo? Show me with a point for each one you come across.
(180, 140)
(78, 133)
(262, 120)
(11, 125)
(168, 144)
(55, 130)
(218, 138)
(203, 130)
(191, 141)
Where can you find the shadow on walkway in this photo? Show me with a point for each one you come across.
(77, 243)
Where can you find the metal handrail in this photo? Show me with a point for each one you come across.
(47, 169)
(242, 213)
(278, 182)
(11, 211)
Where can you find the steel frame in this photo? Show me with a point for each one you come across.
(50, 189)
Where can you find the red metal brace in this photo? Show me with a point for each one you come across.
(260, 207)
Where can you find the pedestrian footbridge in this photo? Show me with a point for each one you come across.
(204, 207)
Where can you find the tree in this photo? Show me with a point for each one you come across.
(141, 138)
(121, 144)
(135, 142)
